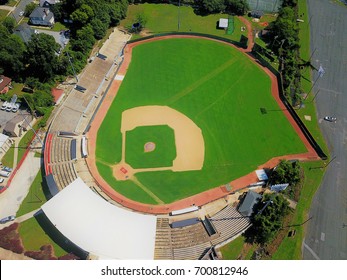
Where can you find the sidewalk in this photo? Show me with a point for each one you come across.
(11, 199)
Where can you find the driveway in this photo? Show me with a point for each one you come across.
(326, 236)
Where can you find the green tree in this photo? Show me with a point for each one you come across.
(268, 222)
(29, 9)
(10, 23)
(212, 6)
(41, 58)
(286, 172)
(99, 28)
(11, 54)
(239, 7)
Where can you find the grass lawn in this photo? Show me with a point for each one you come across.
(24, 143)
(164, 18)
(8, 158)
(32, 234)
(33, 237)
(215, 92)
(306, 79)
(35, 198)
(3, 14)
(232, 250)
(290, 248)
(58, 26)
(164, 138)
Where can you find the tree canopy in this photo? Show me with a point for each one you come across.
(286, 172)
(268, 222)
(40, 56)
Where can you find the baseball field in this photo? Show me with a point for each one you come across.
(190, 115)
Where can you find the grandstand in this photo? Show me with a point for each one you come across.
(191, 242)
(270, 6)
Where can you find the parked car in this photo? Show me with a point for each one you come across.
(330, 119)
(2, 187)
(7, 169)
(2, 180)
(4, 105)
(9, 107)
(21, 13)
(7, 219)
(15, 107)
(4, 173)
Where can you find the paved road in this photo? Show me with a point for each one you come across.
(326, 236)
(20, 7)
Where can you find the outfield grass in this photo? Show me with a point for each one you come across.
(217, 87)
(164, 153)
(164, 18)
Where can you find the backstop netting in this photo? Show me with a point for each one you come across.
(265, 5)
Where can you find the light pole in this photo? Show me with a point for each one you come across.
(266, 204)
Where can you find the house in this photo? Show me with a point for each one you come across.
(5, 83)
(246, 208)
(48, 3)
(17, 125)
(42, 16)
(24, 31)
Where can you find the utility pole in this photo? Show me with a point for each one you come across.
(73, 69)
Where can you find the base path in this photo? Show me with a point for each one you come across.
(204, 197)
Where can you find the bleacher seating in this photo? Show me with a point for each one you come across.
(60, 160)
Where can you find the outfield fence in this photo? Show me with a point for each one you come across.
(243, 43)
(305, 131)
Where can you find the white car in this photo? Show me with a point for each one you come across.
(330, 119)
(2, 180)
(21, 13)
(15, 107)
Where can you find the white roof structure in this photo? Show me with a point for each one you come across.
(261, 175)
(223, 23)
(100, 228)
(3, 139)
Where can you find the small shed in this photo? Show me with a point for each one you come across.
(256, 14)
(246, 208)
(223, 23)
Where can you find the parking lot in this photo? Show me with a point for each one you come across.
(7, 116)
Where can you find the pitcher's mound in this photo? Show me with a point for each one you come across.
(149, 147)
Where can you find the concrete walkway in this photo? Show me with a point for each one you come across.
(11, 199)
(8, 8)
